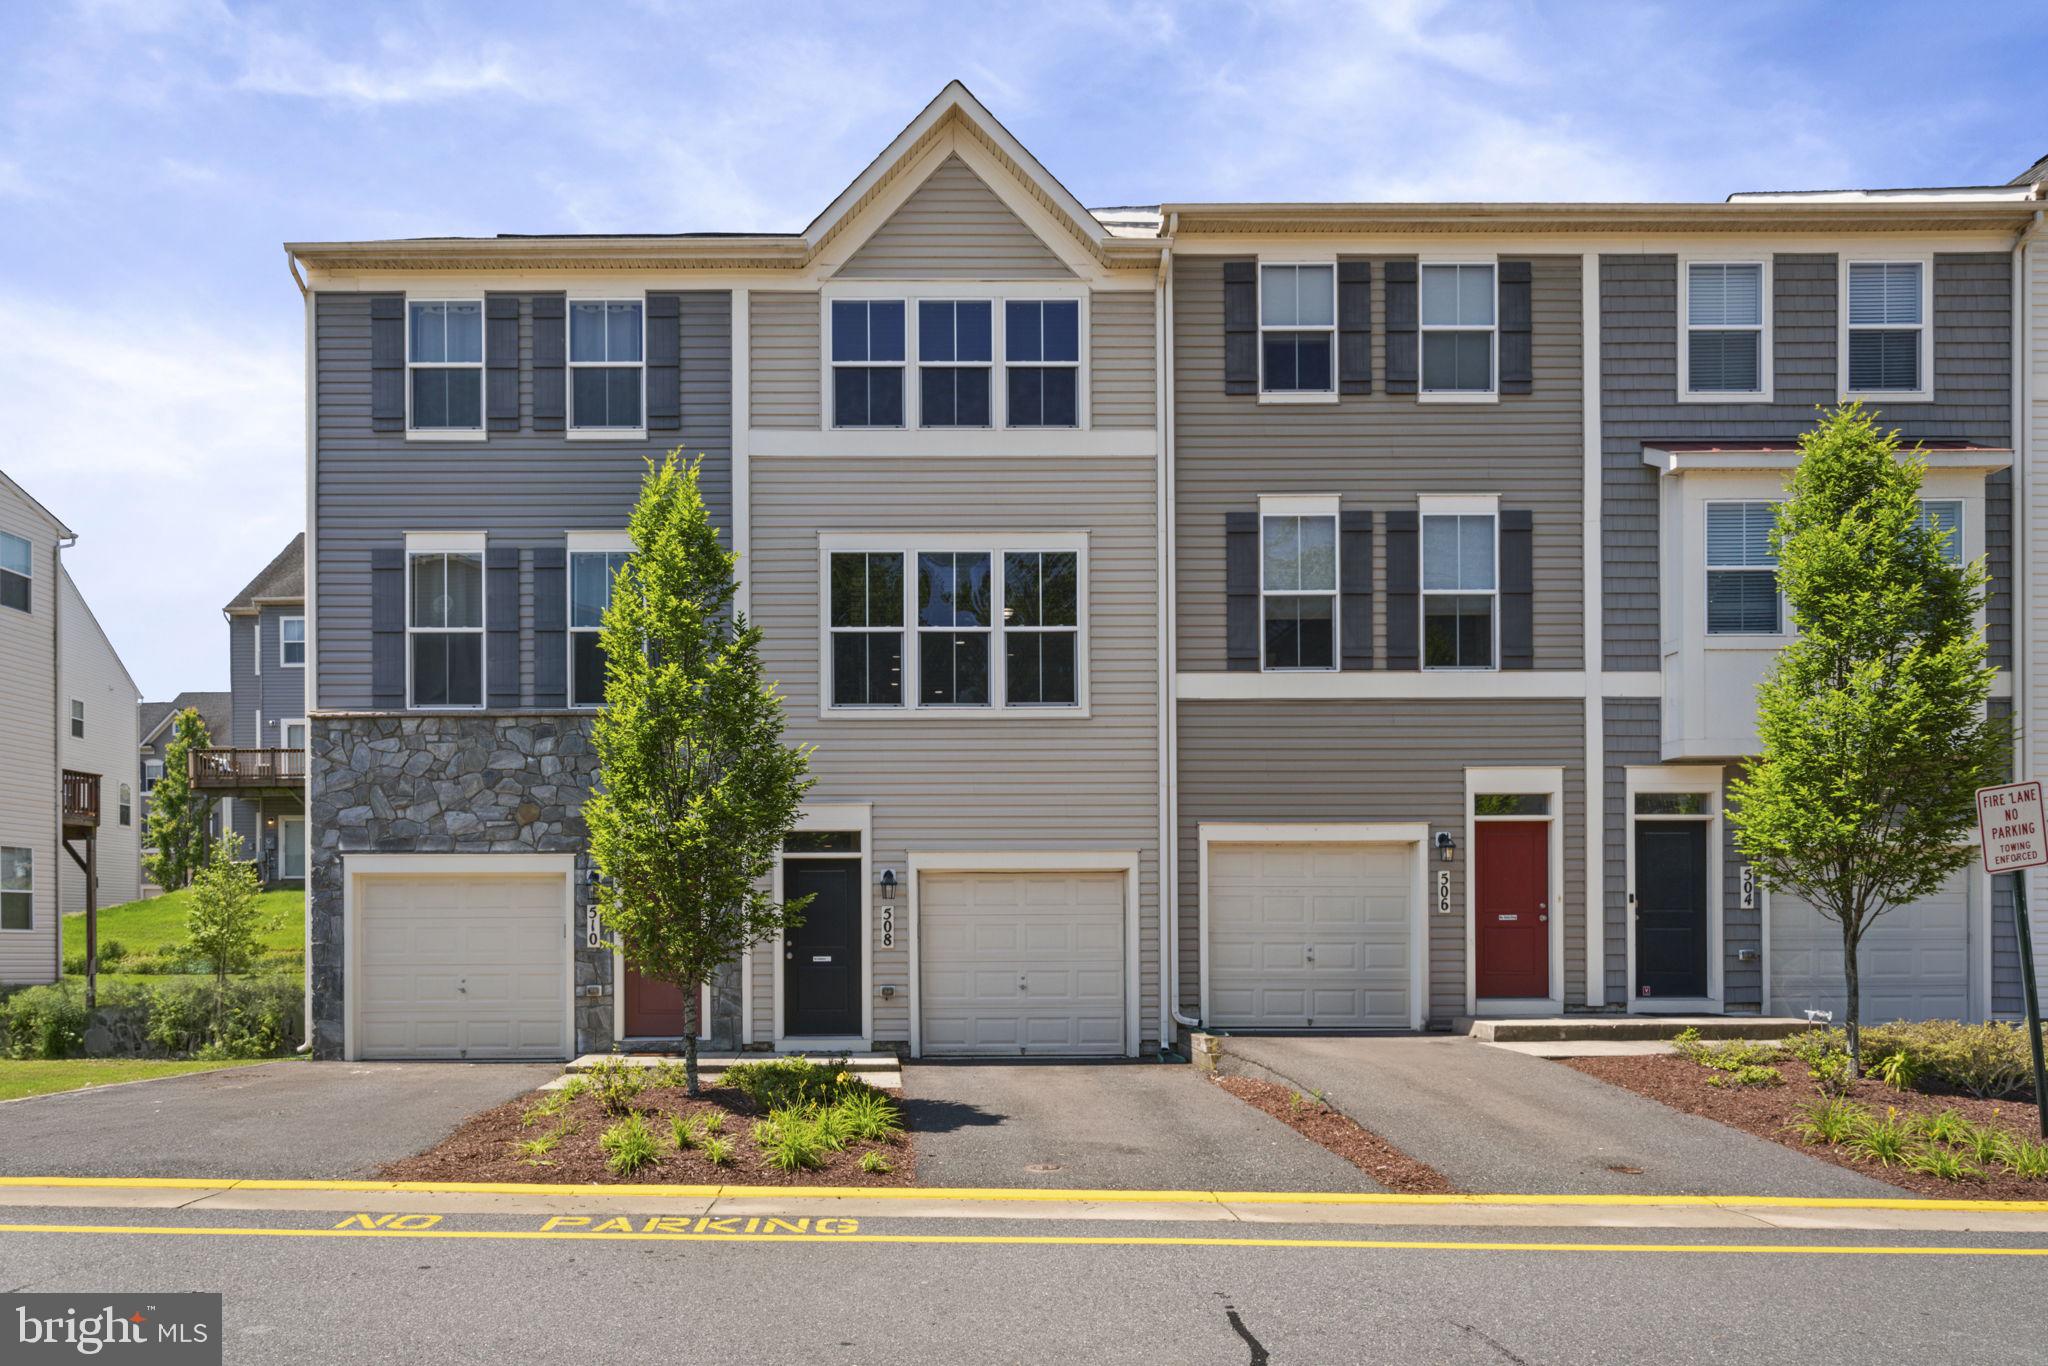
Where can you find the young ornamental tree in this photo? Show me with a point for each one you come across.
(1872, 720)
(696, 788)
(223, 925)
(178, 816)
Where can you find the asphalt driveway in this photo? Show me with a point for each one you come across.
(1496, 1121)
(1126, 1126)
(282, 1120)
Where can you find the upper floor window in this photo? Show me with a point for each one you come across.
(955, 615)
(17, 570)
(291, 641)
(1041, 621)
(152, 774)
(1460, 589)
(606, 347)
(77, 719)
(1886, 325)
(1297, 329)
(1458, 320)
(1945, 514)
(1042, 356)
(17, 889)
(1742, 570)
(867, 629)
(867, 362)
(444, 356)
(1724, 328)
(1298, 590)
(445, 620)
(955, 355)
(591, 575)
(126, 808)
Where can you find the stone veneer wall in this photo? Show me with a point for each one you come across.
(497, 784)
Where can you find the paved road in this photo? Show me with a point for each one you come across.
(303, 1120)
(1492, 1120)
(1133, 1126)
(323, 1300)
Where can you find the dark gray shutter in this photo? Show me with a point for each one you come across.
(387, 628)
(550, 627)
(1240, 327)
(387, 362)
(1354, 328)
(1404, 311)
(1404, 589)
(664, 363)
(501, 362)
(1241, 588)
(550, 363)
(1516, 312)
(501, 624)
(1517, 590)
(1354, 560)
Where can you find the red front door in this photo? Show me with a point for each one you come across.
(1512, 896)
(654, 1010)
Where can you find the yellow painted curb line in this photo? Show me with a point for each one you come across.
(1024, 1194)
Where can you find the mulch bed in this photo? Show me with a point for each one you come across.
(484, 1148)
(1361, 1147)
(1770, 1111)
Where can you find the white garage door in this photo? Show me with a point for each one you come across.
(461, 967)
(1914, 961)
(1016, 964)
(1309, 936)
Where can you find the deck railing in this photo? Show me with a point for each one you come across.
(81, 798)
(230, 768)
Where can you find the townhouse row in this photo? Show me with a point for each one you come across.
(1260, 616)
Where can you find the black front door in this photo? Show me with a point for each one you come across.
(1671, 909)
(821, 957)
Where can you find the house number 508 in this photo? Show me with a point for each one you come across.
(888, 927)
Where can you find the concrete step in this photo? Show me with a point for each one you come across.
(1626, 1027)
(708, 1061)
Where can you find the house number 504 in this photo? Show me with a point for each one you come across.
(888, 927)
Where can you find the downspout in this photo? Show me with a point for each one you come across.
(1169, 649)
(311, 682)
(59, 714)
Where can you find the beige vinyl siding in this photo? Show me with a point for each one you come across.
(28, 741)
(92, 673)
(782, 348)
(954, 227)
(988, 782)
(2034, 719)
(1378, 452)
(1383, 761)
(1122, 360)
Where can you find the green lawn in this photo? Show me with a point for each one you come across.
(18, 1079)
(158, 923)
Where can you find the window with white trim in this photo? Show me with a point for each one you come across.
(955, 361)
(17, 571)
(152, 774)
(866, 618)
(445, 626)
(1298, 590)
(1945, 514)
(1887, 327)
(1297, 329)
(291, 847)
(1742, 570)
(77, 719)
(126, 806)
(1460, 589)
(291, 642)
(955, 618)
(591, 576)
(1459, 317)
(1042, 362)
(1724, 327)
(292, 734)
(444, 358)
(17, 889)
(867, 362)
(607, 370)
(1041, 627)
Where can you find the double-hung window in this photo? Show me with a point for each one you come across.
(17, 571)
(1945, 514)
(955, 616)
(17, 889)
(591, 576)
(1742, 570)
(1724, 329)
(292, 734)
(1297, 329)
(1886, 326)
(867, 628)
(1041, 628)
(291, 642)
(1458, 322)
(126, 809)
(607, 346)
(1460, 589)
(152, 774)
(1298, 587)
(444, 357)
(445, 620)
(867, 363)
(955, 359)
(77, 719)
(1042, 362)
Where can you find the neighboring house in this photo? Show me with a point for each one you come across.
(1283, 616)
(257, 768)
(67, 746)
(156, 724)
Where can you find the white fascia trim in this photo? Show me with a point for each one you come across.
(910, 542)
(1298, 505)
(1549, 781)
(1457, 505)
(1925, 392)
(1766, 362)
(954, 443)
(448, 434)
(1734, 460)
(444, 542)
(1378, 684)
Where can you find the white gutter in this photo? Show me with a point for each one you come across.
(1169, 651)
(311, 678)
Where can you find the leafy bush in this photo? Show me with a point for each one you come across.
(869, 1115)
(44, 1022)
(1898, 1070)
(1831, 1120)
(1947, 1126)
(1831, 1075)
(685, 1130)
(784, 1083)
(718, 1151)
(553, 1103)
(874, 1164)
(616, 1084)
(2027, 1158)
(1989, 1146)
(1816, 1045)
(112, 951)
(1884, 1141)
(257, 1017)
(1945, 1163)
(714, 1122)
(1984, 1060)
(628, 1145)
(1750, 1075)
(795, 1142)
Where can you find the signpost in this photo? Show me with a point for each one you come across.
(2010, 831)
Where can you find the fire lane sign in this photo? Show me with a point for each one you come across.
(2009, 827)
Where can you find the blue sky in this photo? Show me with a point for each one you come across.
(154, 153)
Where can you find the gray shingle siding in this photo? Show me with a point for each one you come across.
(1633, 740)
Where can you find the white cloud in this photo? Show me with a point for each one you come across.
(285, 64)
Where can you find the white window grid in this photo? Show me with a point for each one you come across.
(17, 890)
(412, 363)
(291, 631)
(1761, 328)
(998, 391)
(987, 366)
(1459, 514)
(606, 363)
(1424, 327)
(1291, 270)
(614, 559)
(869, 628)
(413, 559)
(1014, 363)
(1764, 563)
(1282, 513)
(1923, 382)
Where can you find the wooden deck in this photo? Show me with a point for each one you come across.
(247, 770)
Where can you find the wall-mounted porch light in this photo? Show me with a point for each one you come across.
(888, 884)
(1446, 847)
